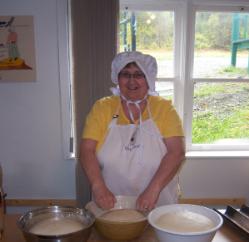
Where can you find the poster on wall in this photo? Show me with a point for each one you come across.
(17, 49)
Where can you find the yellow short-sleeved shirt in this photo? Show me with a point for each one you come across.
(163, 114)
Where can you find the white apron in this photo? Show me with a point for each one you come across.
(130, 156)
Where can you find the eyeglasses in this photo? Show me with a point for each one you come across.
(127, 75)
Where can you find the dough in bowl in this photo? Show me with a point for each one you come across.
(184, 221)
(56, 226)
(122, 215)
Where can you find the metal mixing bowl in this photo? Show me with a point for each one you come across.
(35, 216)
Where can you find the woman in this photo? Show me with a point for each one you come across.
(133, 141)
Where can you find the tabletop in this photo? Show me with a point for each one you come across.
(11, 233)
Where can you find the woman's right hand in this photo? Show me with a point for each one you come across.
(103, 196)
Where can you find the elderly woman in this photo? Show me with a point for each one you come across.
(133, 141)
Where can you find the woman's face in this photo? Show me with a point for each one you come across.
(132, 82)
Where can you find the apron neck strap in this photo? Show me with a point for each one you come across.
(136, 103)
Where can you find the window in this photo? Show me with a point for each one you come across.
(220, 76)
(202, 51)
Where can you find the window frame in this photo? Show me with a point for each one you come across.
(64, 77)
(183, 79)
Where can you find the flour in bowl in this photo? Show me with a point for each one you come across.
(123, 215)
(184, 221)
(56, 226)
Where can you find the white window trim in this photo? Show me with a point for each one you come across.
(217, 154)
(64, 75)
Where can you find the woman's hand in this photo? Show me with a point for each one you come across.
(147, 200)
(103, 196)
(168, 168)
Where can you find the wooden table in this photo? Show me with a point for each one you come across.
(12, 234)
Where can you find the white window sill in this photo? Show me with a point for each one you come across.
(219, 154)
(71, 156)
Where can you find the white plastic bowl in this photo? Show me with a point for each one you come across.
(172, 236)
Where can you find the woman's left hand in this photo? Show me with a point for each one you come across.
(147, 200)
(168, 168)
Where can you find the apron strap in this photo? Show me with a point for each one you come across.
(128, 102)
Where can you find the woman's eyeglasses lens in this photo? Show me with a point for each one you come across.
(128, 75)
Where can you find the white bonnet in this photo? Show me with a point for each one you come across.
(145, 62)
